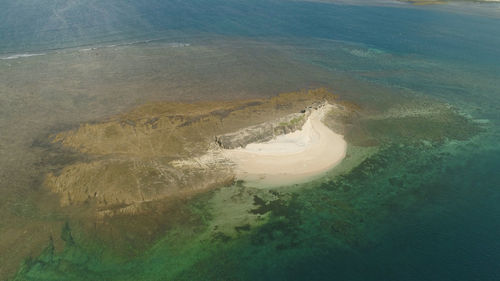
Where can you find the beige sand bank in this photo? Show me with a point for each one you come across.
(293, 157)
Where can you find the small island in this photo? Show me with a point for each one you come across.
(168, 149)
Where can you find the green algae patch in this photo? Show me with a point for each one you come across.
(440, 128)
(409, 123)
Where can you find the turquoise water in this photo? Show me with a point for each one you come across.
(414, 210)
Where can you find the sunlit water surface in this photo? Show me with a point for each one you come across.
(412, 212)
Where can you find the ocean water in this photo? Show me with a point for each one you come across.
(423, 205)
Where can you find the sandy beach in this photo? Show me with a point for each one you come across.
(293, 157)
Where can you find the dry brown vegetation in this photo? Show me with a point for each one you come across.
(131, 154)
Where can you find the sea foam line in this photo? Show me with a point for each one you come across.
(17, 56)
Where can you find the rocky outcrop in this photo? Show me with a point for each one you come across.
(262, 132)
(266, 131)
(161, 150)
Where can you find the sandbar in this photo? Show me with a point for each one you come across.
(293, 157)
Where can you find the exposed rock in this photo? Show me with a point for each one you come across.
(166, 149)
(263, 132)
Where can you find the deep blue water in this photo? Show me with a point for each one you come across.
(452, 235)
(47, 24)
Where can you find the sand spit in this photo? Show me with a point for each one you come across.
(292, 157)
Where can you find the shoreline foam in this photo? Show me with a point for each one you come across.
(19, 56)
(293, 157)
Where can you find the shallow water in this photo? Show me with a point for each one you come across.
(423, 210)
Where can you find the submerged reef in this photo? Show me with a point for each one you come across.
(161, 217)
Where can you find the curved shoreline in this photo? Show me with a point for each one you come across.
(293, 157)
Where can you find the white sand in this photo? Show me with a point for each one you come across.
(293, 157)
